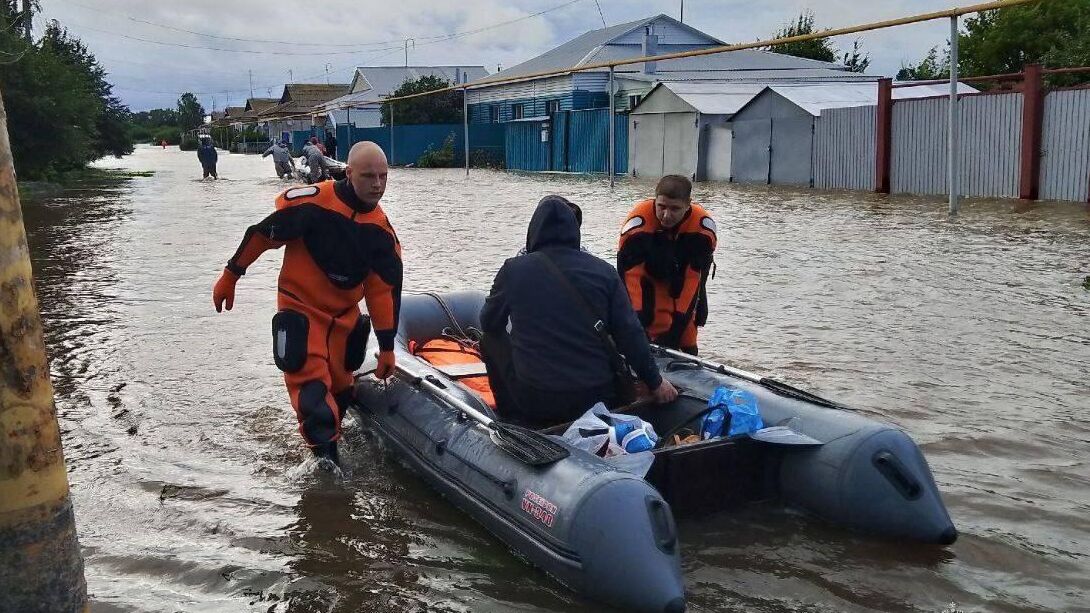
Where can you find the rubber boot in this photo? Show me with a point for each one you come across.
(327, 451)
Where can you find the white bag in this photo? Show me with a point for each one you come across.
(596, 432)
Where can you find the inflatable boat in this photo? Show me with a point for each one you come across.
(610, 534)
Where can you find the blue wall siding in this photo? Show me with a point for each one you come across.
(535, 107)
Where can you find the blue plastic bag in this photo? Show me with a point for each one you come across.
(745, 417)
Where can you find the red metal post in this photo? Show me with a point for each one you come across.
(883, 136)
(1032, 112)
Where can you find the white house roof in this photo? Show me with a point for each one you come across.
(373, 82)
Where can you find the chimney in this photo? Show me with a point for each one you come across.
(457, 75)
(650, 47)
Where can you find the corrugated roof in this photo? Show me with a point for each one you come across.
(745, 59)
(713, 98)
(595, 47)
(371, 82)
(303, 97)
(234, 112)
(727, 98)
(813, 98)
(805, 75)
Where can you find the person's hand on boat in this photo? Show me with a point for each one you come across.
(385, 366)
(224, 291)
(664, 393)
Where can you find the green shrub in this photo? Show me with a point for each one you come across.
(442, 158)
(189, 143)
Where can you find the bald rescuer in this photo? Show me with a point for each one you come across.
(339, 248)
(665, 257)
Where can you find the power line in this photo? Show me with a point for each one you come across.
(358, 49)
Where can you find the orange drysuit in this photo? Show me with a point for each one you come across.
(338, 251)
(666, 271)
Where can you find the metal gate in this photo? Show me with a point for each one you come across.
(791, 156)
(648, 139)
(749, 159)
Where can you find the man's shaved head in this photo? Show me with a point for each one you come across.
(367, 169)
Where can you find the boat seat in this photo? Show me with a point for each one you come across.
(462, 371)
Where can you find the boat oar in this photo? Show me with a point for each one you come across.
(527, 446)
(779, 387)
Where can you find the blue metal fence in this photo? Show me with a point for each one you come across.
(569, 141)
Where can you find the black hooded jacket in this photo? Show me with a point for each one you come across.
(553, 344)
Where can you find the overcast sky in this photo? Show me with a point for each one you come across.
(335, 35)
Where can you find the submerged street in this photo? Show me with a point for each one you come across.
(189, 479)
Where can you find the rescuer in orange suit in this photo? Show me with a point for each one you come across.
(339, 248)
(665, 257)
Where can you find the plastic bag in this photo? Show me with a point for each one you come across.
(741, 405)
(625, 441)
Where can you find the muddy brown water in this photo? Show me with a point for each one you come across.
(192, 491)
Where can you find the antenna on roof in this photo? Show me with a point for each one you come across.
(682, 11)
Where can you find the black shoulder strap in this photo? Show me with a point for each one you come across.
(596, 322)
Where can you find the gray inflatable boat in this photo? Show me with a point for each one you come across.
(610, 534)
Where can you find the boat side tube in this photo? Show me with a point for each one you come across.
(866, 475)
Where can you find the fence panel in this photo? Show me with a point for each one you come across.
(1065, 146)
(844, 148)
(989, 140)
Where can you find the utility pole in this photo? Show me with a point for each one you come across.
(407, 42)
(41, 568)
(327, 67)
(682, 11)
(291, 76)
(251, 82)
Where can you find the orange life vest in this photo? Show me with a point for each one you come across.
(442, 351)
(665, 271)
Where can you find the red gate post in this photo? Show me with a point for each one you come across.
(1032, 112)
(883, 136)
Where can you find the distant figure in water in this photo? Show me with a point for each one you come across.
(164, 144)
(206, 153)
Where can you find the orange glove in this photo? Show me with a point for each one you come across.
(224, 290)
(385, 366)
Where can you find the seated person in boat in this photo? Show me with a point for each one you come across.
(554, 324)
(665, 257)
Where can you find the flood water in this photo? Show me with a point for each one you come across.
(189, 478)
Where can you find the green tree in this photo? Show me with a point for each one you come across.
(928, 69)
(815, 49)
(190, 112)
(818, 48)
(1055, 33)
(436, 109)
(855, 59)
(111, 136)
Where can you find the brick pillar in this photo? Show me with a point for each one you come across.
(883, 136)
(1033, 103)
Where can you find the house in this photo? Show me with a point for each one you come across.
(537, 97)
(296, 105)
(371, 83)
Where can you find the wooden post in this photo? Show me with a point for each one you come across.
(40, 564)
(883, 136)
(1033, 103)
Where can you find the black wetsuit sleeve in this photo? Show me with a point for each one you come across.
(496, 310)
(630, 338)
(269, 233)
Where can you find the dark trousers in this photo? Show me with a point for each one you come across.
(210, 169)
(521, 403)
